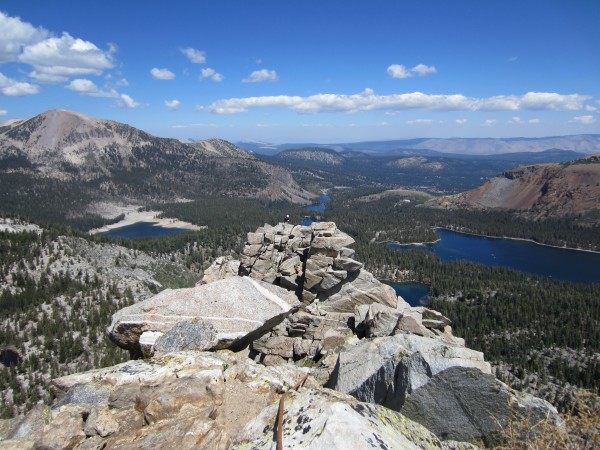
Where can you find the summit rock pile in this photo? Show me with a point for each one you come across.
(316, 262)
(302, 317)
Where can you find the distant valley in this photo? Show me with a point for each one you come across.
(430, 171)
(58, 165)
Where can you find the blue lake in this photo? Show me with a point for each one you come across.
(556, 263)
(140, 230)
(318, 207)
(416, 294)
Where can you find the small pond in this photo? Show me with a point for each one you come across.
(316, 208)
(416, 294)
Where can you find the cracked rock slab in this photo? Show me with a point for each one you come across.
(237, 310)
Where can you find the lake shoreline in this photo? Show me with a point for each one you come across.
(517, 239)
(548, 261)
(424, 244)
(134, 217)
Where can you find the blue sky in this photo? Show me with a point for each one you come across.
(308, 71)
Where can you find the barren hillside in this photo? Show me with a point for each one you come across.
(545, 190)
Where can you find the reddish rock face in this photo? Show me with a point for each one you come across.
(543, 190)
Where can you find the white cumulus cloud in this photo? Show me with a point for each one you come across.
(585, 120)
(57, 58)
(552, 101)
(82, 85)
(3, 112)
(489, 122)
(261, 75)
(516, 120)
(400, 71)
(368, 101)
(16, 34)
(534, 121)
(461, 121)
(422, 70)
(162, 74)
(172, 104)
(125, 101)
(12, 88)
(88, 87)
(195, 56)
(211, 74)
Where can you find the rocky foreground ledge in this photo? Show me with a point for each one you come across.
(297, 318)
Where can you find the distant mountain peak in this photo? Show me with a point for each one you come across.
(67, 145)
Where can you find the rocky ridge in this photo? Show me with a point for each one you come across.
(543, 190)
(420, 162)
(318, 155)
(356, 364)
(221, 148)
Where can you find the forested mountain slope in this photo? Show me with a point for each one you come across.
(57, 294)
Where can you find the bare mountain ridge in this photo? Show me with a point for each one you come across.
(66, 145)
(322, 155)
(416, 162)
(539, 191)
(221, 148)
(57, 139)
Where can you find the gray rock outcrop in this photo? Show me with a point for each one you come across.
(314, 261)
(463, 403)
(386, 370)
(223, 267)
(324, 419)
(228, 313)
(444, 386)
(217, 401)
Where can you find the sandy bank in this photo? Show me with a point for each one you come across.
(132, 217)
